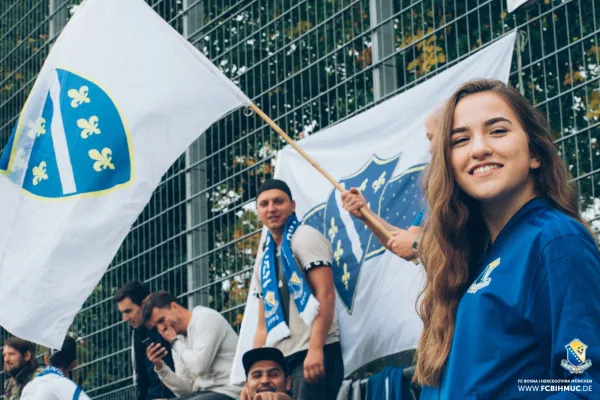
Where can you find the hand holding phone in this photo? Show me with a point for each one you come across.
(155, 353)
(146, 342)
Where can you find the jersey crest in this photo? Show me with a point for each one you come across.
(484, 279)
(576, 362)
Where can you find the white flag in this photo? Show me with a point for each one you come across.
(382, 151)
(118, 100)
(512, 5)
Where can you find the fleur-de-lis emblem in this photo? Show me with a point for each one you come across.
(37, 129)
(339, 252)
(79, 96)
(363, 185)
(333, 230)
(378, 184)
(19, 162)
(39, 173)
(346, 276)
(103, 160)
(89, 127)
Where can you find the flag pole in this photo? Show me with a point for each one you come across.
(364, 210)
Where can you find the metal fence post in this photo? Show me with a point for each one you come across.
(383, 44)
(195, 182)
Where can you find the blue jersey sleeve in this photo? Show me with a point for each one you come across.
(564, 309)
(418, 219)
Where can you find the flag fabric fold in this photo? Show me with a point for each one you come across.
(119, 98)
(512, 5)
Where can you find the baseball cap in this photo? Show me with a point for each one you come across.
(263, 354)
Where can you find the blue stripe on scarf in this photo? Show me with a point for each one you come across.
(50, 370)
(307, 305)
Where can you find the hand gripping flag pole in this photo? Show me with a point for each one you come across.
(364, 210)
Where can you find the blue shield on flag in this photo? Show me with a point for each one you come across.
(397, 199)
(79, 145)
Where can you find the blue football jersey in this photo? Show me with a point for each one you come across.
(528, 327)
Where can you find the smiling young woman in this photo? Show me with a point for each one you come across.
(512, 271)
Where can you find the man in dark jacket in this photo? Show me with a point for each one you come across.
(20, 365)
(129, 300)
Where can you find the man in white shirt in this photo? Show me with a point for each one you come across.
(202, 343)
(52, 383)
(295, 266)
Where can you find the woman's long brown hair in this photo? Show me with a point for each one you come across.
(455, 235)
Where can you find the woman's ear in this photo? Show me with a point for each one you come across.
(534, 162)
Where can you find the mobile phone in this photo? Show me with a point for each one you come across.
(147, 342)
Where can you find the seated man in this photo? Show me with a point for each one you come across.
(20, 366)
(266, 375)
(53, 383)
(202, 344)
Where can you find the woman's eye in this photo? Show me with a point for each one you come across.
(459, 141)
(499, 130)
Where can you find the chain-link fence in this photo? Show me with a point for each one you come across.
(308, 64)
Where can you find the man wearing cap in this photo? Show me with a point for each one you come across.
(266, 375)
(52, 383)
(297, 297)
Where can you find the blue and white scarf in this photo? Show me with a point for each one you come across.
(51, 370)
(306, 303)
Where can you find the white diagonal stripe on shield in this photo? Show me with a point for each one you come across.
(59, 138)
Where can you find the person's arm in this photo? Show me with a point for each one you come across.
(402, 240)
(209, 333)
(321, 280)
(353, 201)
(260, 337)
(565, 295)
(315, 256)
(176, 382)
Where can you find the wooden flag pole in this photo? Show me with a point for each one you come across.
(364, 210)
